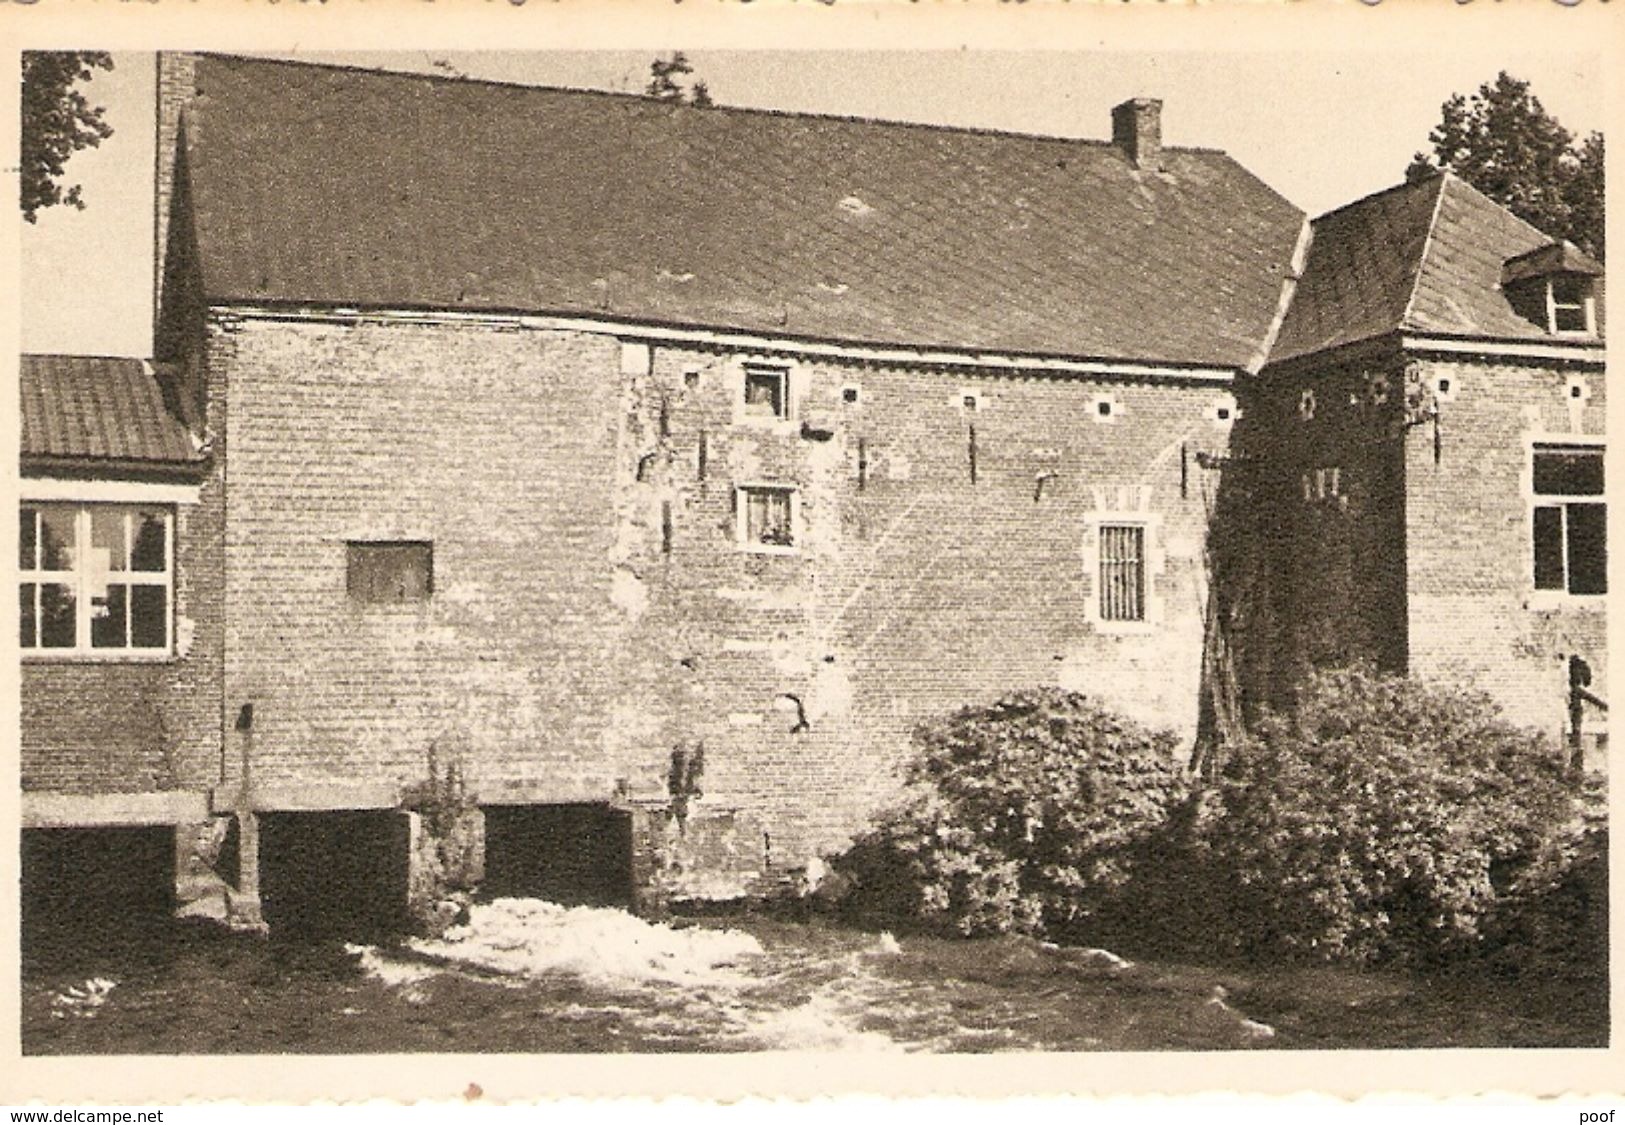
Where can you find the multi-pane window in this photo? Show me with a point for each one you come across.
(95, 578)
(1570, 520)
(766, 516)
(1122, 572)
(767, 391)
(1570, 304)
(389, 572)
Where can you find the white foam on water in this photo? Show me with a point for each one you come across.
(81, 1000)
(393, 974)
(531, 938)
(822, 1023)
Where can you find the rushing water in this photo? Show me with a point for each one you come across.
(533, 977)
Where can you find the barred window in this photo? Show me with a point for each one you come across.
(95, 578)
(1122, 572)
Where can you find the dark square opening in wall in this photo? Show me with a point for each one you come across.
(91, 890)
(334, 874)
(380, 573)
(574, 855)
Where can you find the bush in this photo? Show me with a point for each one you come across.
(1027, 815)
(1382, 820)
(1553, 922)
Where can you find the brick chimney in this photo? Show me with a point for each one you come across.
(1137, 130)
(177, 86)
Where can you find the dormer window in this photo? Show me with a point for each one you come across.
(1554, 287)
(1571, 307)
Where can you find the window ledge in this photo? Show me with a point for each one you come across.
(767, 549)
(35, 656)
(1562, 599)
(1125, 628)
(779, 427)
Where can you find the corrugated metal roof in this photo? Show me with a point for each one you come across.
(1423, 257)
(337, 186)
(99, 408)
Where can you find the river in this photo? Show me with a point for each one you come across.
(528, 976)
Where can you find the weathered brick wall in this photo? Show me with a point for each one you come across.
(915, 591)
(592, 609)
(1327, 441)
(1474, 613)
(1426, 563)
(500, 447)
(110, 726)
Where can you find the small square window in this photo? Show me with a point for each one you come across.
(380, 573)
(767, 392)
(766, 517)
(849, 395)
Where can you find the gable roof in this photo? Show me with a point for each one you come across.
(327, 185)
(99, 408)
(1422, 257)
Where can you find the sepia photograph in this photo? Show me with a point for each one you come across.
(704, 550)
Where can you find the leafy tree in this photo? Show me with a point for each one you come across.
(1504, 143)
(57, 122)
(673, 80)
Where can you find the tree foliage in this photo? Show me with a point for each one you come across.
(673, 80)
(57, 121)
(1028, 815)
(1503, 142)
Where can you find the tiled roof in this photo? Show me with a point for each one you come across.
(1360, 271)
(1423, 257)
(1554, 257)
(98, 408)
(357, 188)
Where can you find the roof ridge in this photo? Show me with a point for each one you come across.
(1444, 178)
(1403, 185)
(716, 108)
(83, 355)
(1550, 238)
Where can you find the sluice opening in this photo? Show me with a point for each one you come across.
(334, 874)
(574, 855)
(90, 890)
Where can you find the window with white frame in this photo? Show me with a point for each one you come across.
(766, 516)
(95, 578)
(1571, 309)
(1570, 519)
(767, 391)
(1122, 572)
(1563, 304)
